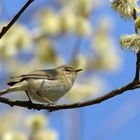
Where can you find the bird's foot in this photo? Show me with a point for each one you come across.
(51, 103)
(30, 101)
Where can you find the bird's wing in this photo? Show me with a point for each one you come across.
(38, 74)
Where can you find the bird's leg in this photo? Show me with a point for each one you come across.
(38, 93)
(50, 102)
(28, 97)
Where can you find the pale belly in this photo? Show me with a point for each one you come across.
(50, 89)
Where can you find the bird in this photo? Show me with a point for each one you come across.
(45, 86)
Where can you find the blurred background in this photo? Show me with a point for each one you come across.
(86, 34)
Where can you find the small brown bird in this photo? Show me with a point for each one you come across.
(45, 86)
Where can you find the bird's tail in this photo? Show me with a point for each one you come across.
(11, 89)
(21, 86)
(5, 91)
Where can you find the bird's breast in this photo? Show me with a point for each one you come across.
(50, 89)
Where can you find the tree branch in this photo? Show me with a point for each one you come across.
(30, 105)
(136, 79)
(9, 25)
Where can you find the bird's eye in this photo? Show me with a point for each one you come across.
(67, 70)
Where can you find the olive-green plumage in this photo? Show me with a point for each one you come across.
(44, 85)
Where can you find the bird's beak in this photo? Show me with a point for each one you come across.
(77, 70)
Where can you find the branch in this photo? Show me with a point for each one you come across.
(136, 79)
(30, 105)
(6, 28)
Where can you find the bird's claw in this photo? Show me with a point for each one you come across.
(30, 102)
(51, 103)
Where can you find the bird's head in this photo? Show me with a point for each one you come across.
(69, 70)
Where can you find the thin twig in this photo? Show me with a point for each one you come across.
(30, 105)
(9, 25)
(136, 79)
